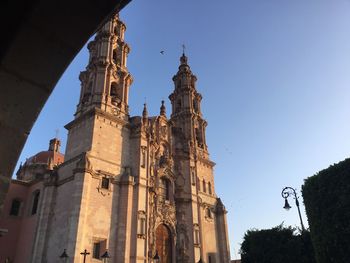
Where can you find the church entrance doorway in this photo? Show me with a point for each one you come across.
(164, 243)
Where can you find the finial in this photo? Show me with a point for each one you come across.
(183, 58)
(162, 109)
(144, 113)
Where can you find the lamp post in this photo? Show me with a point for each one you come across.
(286, 192)
(64, 256)
(156, 257)
(105, 257)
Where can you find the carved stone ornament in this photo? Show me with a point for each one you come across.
(116, 76)
(163, 131)
(115, 111)
(166, 211)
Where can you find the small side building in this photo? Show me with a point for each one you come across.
(22, 204)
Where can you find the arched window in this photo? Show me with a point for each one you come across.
(178, 106)
(208, 213)
(116, 31)
(115, 57)
(87, 93)
(195, 105)
(116, 92)
(193, 178)
(36, 195)
(164, 189)
(114, 87)
(209, 188)
(15, 207)
(204, 187)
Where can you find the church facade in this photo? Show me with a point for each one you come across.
(140, 187)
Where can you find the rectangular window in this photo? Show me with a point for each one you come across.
(96, 250)
(142, 226)
(143, 157)
(196, 236)
(99, 248)
(193, 178)
(15, 207)
(209, 188)
(35, 202)
(105, 183)
(211, 258)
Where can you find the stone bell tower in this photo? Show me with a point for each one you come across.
(88, 198)
(199, 210)
(104, 86)
(105, 82)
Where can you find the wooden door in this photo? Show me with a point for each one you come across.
(164, 244)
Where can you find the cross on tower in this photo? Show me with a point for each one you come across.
(85, 253)
(57, 133)
(183, 49)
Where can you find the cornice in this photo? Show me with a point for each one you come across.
(96, 112)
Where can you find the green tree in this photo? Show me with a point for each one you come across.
(327, 202)
(276, 245)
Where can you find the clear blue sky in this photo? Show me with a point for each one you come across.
(275, 81)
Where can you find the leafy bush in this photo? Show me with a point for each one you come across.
(327, 202)
(276, 245)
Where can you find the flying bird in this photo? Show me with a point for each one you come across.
(162, 52)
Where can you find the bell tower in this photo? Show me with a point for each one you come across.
(186, 110)
(105, 82)
(96, 182)
(199, 210)
(104, 92)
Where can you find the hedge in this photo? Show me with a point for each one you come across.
(327, 202)
(277, 245)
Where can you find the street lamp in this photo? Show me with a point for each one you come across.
(286, 192)
(156, 257)
(64, 256)
(105, 257)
